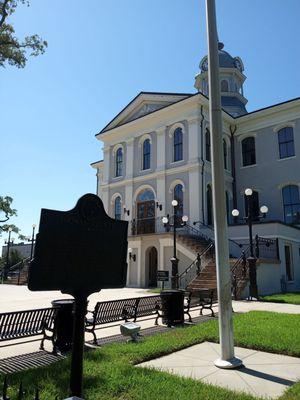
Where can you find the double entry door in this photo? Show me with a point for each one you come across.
(146, 217)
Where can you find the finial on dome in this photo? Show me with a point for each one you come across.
(220, 45)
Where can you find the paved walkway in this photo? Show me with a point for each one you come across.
(263, 374)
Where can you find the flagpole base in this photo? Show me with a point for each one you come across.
(232, 363)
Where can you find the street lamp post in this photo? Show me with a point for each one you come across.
(32, 241)
(253, 291)
(174, 260)
(8, 242)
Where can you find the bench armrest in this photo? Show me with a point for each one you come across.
(129, 311)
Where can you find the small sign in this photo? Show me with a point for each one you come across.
(162, 276)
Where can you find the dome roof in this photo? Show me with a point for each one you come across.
(225, 60)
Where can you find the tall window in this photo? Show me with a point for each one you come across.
(146, 154)
(209, 205)
(291, 204)
(177, 139)
(118, 208)
(178, 195)
(119, 162)
(248, 151)
(224, 86)
(207, 146)
(288, 263)
(225, 153)
(286, 142)
(254, 203)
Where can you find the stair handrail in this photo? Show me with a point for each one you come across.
(17, 265)
(198, 233)
(240, 245)
(195, 262)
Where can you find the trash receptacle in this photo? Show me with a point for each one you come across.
(172, 307)
(63, 324)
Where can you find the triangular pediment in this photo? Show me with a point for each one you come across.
(143, 104)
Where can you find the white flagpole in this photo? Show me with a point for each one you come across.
(227, 359)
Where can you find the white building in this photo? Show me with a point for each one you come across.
(158, 148)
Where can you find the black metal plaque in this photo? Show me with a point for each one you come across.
(81, 250)
(162, 276)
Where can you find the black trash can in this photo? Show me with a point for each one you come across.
(63, 325)
(172, 307)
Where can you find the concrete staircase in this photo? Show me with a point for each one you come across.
(207, 277)
(194, 243)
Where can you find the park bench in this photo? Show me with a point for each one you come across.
(119, 310)
(23, 324)
(203, 298)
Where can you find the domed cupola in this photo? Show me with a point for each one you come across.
(231, 82)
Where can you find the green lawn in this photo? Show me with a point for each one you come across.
(109, 372)
(292, 298)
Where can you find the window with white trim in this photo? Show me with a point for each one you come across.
(291, 204)
(146, 154)
(289, 270)
(178, 145)
(248, 151)
(119, 162)
(286, 142)
(118, 208)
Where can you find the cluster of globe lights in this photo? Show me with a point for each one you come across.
(184, 218)
(249, 192)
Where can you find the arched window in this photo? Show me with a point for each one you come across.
(178, 195)
(146, 154)
(118, 208)
(177, 144)
(254, 203)
(248, 151)
(224, 86)
(209, 205)
(225, 153)
(291, 204)
(119, 161)
(286, 142)
(207, 145)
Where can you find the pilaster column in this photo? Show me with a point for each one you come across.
(106, 162)
(194, 152)
(194, 133)
(161, 165)
(161, 148)
(129, 158)
(105, 199)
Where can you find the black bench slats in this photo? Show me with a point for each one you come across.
(21, 324)
(203, 298)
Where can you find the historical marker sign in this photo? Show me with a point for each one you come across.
(162, 276)
(81, 250)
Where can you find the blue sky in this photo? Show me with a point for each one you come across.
(101, 54)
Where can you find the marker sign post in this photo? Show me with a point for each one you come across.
(162, 276)
(79, 252)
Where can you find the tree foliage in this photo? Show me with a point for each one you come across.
(5, 208)
(6, 211)
(12, 50)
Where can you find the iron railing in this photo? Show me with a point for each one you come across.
(266, 248)
(194, 269)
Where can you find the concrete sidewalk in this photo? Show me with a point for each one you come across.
(263, 374)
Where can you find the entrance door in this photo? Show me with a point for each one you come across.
(146, 217)
(152, 267)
